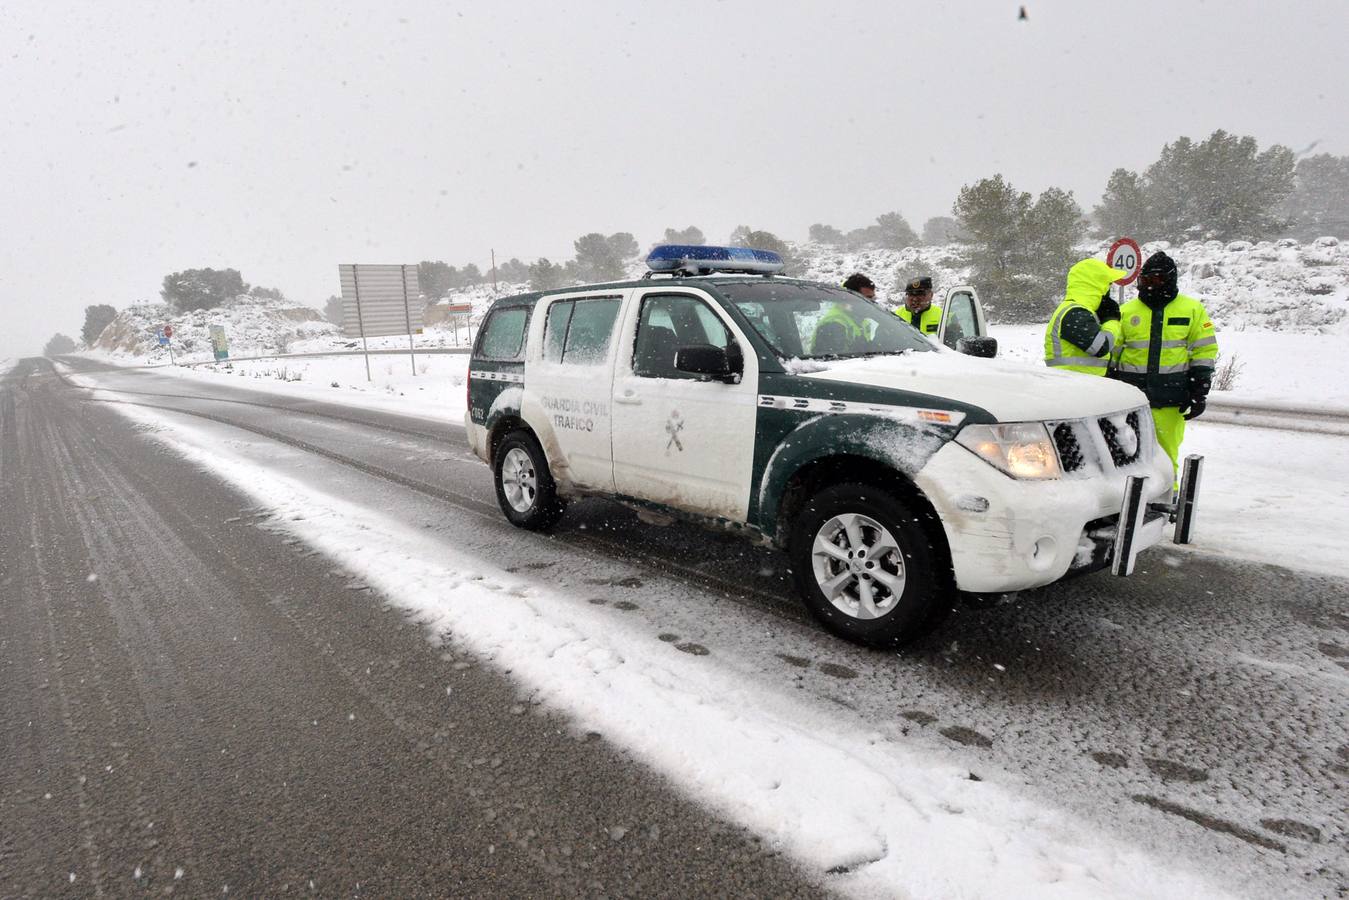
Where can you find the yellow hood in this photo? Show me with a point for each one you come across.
(1089, 280)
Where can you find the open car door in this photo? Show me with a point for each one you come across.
(963, 326)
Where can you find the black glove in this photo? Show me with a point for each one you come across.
(1200, 383)
(1193, 410)
(1108, 311)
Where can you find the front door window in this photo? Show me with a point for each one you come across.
(669, 322)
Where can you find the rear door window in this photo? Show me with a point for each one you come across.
(579, 332)
(503, 337)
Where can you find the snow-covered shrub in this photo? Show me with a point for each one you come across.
(1225, 376)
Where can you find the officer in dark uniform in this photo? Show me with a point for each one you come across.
(918, 309)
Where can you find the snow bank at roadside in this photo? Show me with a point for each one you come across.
(434, 388)
(1271, 367)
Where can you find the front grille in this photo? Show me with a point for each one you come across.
(1124, 447)
(1088, 447)
(1070, 451)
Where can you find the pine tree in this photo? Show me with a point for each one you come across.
(1018, 249)
(96, 318)
(942, 230)
(1319, 203)
(691, 235)
(332, 309)
(826, 234)
(58, 345)
(201, 288)
(546, 276)
(1222, 188)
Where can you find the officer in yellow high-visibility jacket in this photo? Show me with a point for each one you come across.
(1167, 349)
(838, 334)
(1084, 329)
(918, 309)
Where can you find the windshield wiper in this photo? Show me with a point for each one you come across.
(870, 353)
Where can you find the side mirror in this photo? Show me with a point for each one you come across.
(985, 347)
(712, 363)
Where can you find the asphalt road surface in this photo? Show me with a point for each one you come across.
(220, 702)
(189, 705)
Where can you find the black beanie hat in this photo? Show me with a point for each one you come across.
(1160, 264)
(1153, 295)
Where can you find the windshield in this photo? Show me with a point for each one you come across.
(812, 321)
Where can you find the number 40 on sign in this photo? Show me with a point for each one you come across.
(1125, 254)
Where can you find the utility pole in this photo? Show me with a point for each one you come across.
(494, 271)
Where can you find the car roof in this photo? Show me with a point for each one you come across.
(533, 297)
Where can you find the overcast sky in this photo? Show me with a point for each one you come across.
(284, 138)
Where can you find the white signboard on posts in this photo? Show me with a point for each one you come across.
(379, 300)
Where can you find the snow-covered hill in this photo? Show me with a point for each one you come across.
(1283, 286)
(254, 325)
(1272, 286)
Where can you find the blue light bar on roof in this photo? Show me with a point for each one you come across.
(703, 258)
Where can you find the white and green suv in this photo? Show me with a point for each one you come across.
(893, 470)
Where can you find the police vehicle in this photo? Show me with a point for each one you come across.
(895, 471)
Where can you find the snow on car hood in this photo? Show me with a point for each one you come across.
(1012, 392)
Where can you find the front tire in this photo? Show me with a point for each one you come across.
(525, 488)
(866, 568)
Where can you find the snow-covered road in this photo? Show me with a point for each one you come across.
(1123, 733)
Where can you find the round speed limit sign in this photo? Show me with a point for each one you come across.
(1125, 254)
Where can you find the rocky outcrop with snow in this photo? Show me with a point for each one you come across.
(1270, 286)
(254, 325)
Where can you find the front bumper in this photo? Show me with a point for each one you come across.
(1096, 549)
(1010, 535)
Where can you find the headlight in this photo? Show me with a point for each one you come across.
(1021, 449)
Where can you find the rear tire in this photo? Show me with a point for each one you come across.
(525, 488)
(866, 568)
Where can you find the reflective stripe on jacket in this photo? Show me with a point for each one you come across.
(929, 320)
(1161, 349)
(1074, 339)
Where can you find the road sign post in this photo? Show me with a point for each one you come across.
(165, 335)
(407, 319)
(456, 311)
